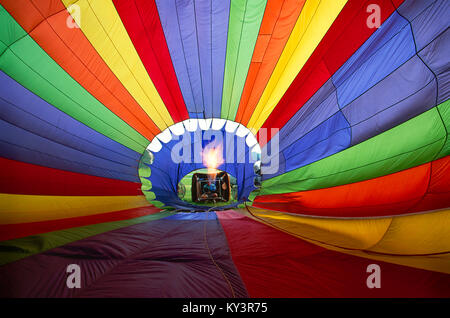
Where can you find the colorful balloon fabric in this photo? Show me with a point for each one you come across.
(350, 99)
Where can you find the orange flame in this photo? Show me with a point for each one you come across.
(212, 159)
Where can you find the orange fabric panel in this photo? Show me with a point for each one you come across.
(278, 21)
(46, 22)
(260, 48)
(387, 195)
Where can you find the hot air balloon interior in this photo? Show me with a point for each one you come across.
(224, 148)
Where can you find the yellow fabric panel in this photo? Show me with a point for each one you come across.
(417, 234)
(406, 237)
(438, 263)
(102, 26)
(348, 233)
(18, 208)
(313, 23)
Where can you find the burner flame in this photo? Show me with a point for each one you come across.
(212, 159)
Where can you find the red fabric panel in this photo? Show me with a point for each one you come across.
(275, 264)
(422, 188)
(397, 3)
(141, 20)
(438, 194)
(345, 36)
(387, 195)
(25, 178)
(12, 231)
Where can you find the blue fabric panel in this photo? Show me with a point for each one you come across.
(28, 111)
(387, 31)
(430, 22)
(406, 93)
(22, 145)
(321, 106)
(318, 109)
(374, 63)
(281, 167)
(193, 216)
(196, 34)
(331, 136)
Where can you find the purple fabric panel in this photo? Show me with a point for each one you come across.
(167, 13)
(196, 34)
(185, 12)
(410, 9)
(163, 258)
(22, 108)
(436, 56)
(203, 21)
(22, 145)
(429, 23)
(220, 18)
(407, 92)
(444, 87)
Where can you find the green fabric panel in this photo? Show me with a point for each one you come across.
(29, 65)
(157, 204)
(444, 110)
(144, 173)
(10, 31)
(245, 20)
(3, 48)
(253, 195)
(146, 160)
(13, 250)
(149, 195)
(416, 141)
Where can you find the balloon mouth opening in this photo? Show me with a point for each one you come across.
(200, 164)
